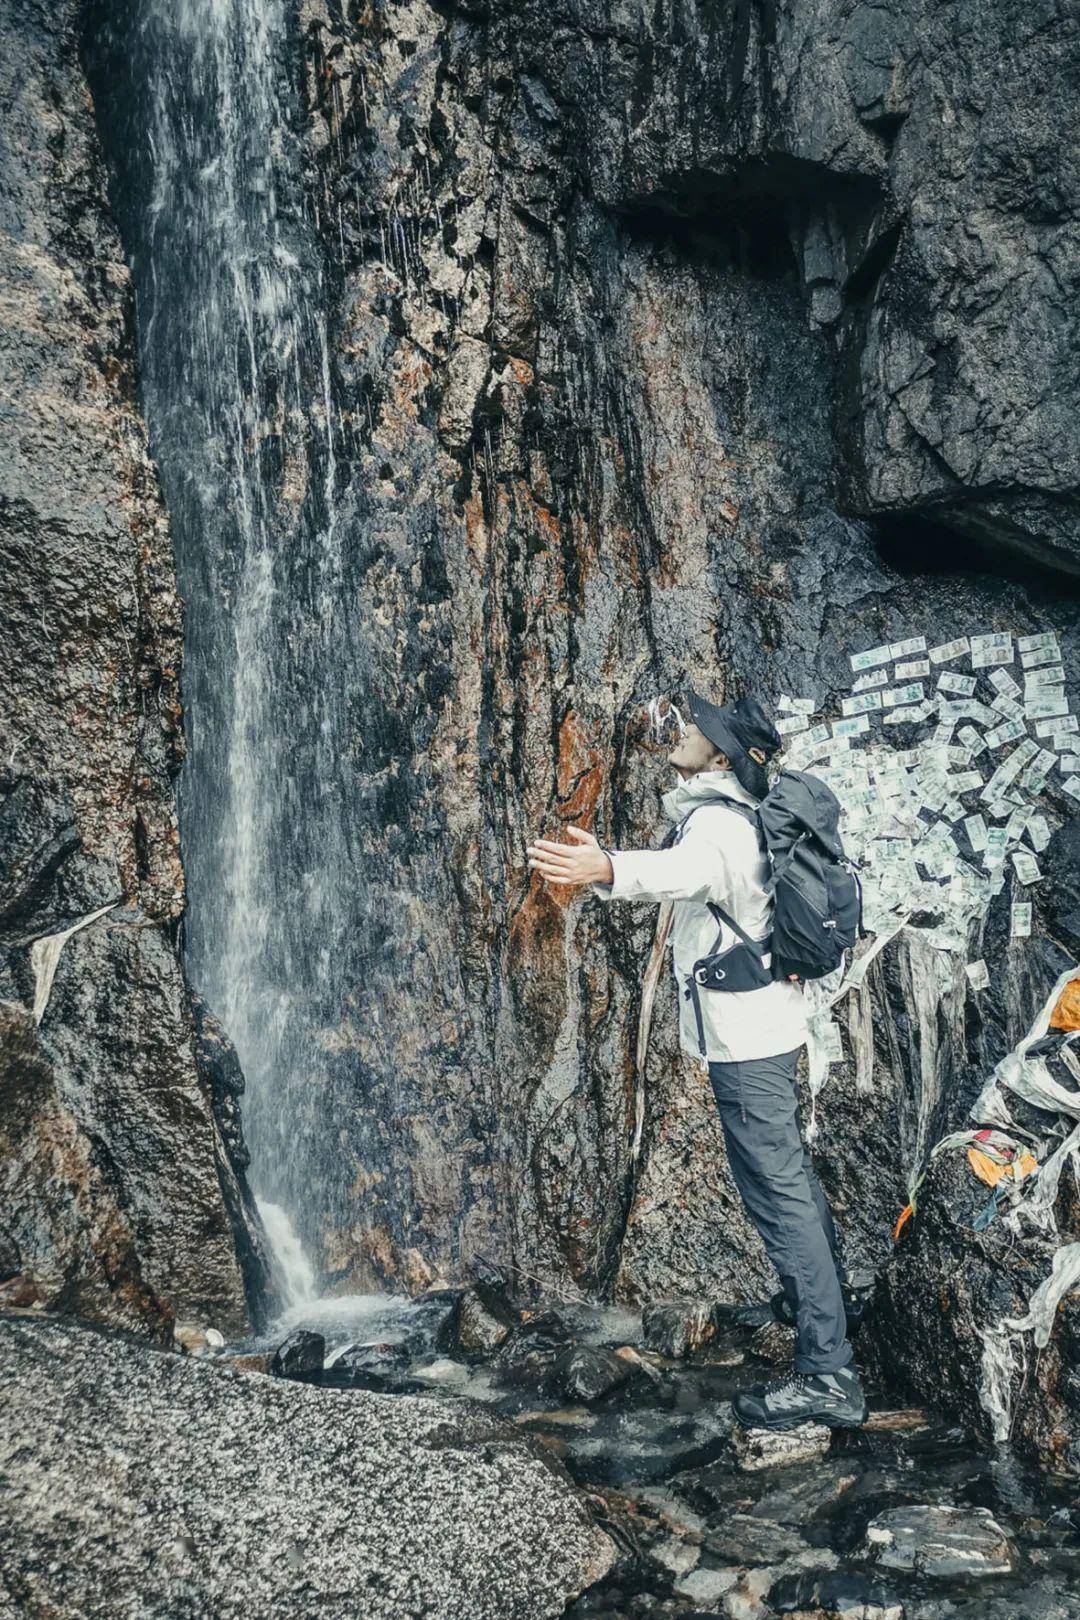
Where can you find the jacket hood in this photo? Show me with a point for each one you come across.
(702, 786)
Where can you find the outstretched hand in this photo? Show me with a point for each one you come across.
(582, 861)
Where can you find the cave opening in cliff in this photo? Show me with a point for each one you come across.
(918, 544)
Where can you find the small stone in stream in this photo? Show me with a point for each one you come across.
(442, 1372)
(677, 1327)
(939, 1541)
(479, 1330)
(673, 1511)
(529, 1356)
(300, 1355)
(568, 1418)
(799, 1502)
(431, 1320)
(706, 1587)
(371, 1366)
(675, 1555)
(628, 1353)
(771, 1448)
(774, 1343)
(586, 1374)
(744, 1539)
(255, 1363)
(746, 1600)
(214, 1339)
(191, 1337)
(904, 1420)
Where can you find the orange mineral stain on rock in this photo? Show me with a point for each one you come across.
(579, 771)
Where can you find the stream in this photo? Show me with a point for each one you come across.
(907, 1518)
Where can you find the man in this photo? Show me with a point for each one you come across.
(751, 1038)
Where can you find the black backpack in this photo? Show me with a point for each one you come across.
(817, 896)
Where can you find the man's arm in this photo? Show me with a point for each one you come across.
(692, 869)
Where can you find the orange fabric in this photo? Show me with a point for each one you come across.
(1066, 1013)
(991, 1172)
(905, 1216)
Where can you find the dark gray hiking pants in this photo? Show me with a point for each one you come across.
(773, 1171)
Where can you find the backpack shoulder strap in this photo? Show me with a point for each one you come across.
(748, 813)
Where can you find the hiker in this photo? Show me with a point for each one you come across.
(750, 1038)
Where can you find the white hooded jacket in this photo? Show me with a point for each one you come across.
(718, 858)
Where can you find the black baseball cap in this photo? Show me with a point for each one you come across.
(746, 734)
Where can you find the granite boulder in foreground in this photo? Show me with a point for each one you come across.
(137, 1482)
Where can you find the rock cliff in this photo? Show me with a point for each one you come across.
(115, 1173)
(665, 344)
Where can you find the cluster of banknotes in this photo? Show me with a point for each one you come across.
(948, 761)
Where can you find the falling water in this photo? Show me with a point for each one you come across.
(238, 395)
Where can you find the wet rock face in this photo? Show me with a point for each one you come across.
(113, 1161)
(244, 1494)
(664, 348)
(939, 1542)
(928, 203)
(625, 406)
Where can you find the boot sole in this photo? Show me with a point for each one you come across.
(781, 1425)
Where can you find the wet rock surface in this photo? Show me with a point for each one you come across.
(662, 347)
(656, 349)
(243, 1494)
(118, 1168)
(939, 1541)
(907, 1518)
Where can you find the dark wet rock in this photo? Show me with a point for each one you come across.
(798, 1501)
(765, 1448)
(10, 1258)
(774, 1343)
(744, 1539)
(300, 1355)
(114, 1159)
(109, 1159)
(946, 1286)
(677, 1327)
(371, 1366)
(752, 1315)
(649, 1444)
(219, 1070)
(850, 1595)
(529, 1357)
(479, 1329)
(941, 1542)
(431, 1321)
(587, 1374)
(248, 1496)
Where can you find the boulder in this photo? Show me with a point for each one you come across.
(480, 1330)
(942, 1542)
(379, 1365)
(584, 1373)
(530, 1355)
(245, 1496)
(677, 1327)
(768, 1448)
(299, 1356)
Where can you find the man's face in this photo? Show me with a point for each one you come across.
(694, 751)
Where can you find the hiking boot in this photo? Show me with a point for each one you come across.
(835, 1399)
(855, 1308)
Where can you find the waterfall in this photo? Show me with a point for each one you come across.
(237, 390)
